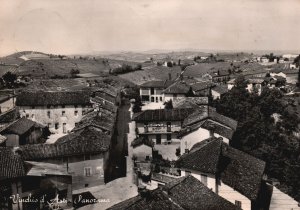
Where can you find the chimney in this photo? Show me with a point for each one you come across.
(186, 151)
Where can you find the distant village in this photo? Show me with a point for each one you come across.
(142, 135)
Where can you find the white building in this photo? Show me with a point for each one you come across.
(202, 124)
(59, 110)
(230, 173)
(152, 91)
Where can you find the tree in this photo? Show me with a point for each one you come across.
(73, 72)
(9, 78)
(169, 64)
(168, 104)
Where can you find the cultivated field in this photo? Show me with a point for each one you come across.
(153, 73)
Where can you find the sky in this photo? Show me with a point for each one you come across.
(91, 26)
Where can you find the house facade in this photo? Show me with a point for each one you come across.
(160, 125)
(24, 131)
(58, 110)
(230, 173)
(84, 153)
(152, 91)
(202, 124)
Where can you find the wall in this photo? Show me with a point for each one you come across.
(142, 151)
(7, 105)
(215, 94)
(168, 97)
(231, 195)
(80, 180)
(39, 114)
(158, 127)
(157, 96)
(12, 140)
(192, 138)
(211, 180)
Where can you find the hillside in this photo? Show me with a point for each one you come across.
(153, 73)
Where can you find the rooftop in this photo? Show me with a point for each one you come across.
(182, 193)
(20, 126)
(237, 169)
(44, 98)
(162, 115)
(11, 164)
(157, 84)
(86, 141)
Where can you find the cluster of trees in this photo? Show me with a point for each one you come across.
(297, 61)
(9, 79)
(265, 135)
(125, 69)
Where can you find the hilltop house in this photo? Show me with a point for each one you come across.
(24, 131)
(59, 110)
(179, 194)
(160, 125)
(203, 123)
(228, 172)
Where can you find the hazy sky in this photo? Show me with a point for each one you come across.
(83, 26)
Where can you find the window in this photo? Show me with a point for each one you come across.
(146, 127)
(87, 171)
(48, 106)
(33, 107)
(169, 137)
(76, 113)
(168, 126)
(75, 106)
(156, 99)
(204, 179)
(160, 98)
(27, 115)
(152, 99)
(238, 203)
(64, 128)
(152, 91)
(56, 125)
(48, 114)
(63, 106)
(63, 113)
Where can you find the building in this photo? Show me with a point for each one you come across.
(9, 117)
(84, 154)
(228, 172)
(218, 91)
(151, 91)
(202, 124)
(38, 183)
(254, 85)
(59, 110)
(183, 193)
(142, 148)
(24, 131)
(160, 125)
(178, 90)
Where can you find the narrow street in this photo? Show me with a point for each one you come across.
(122, 186)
